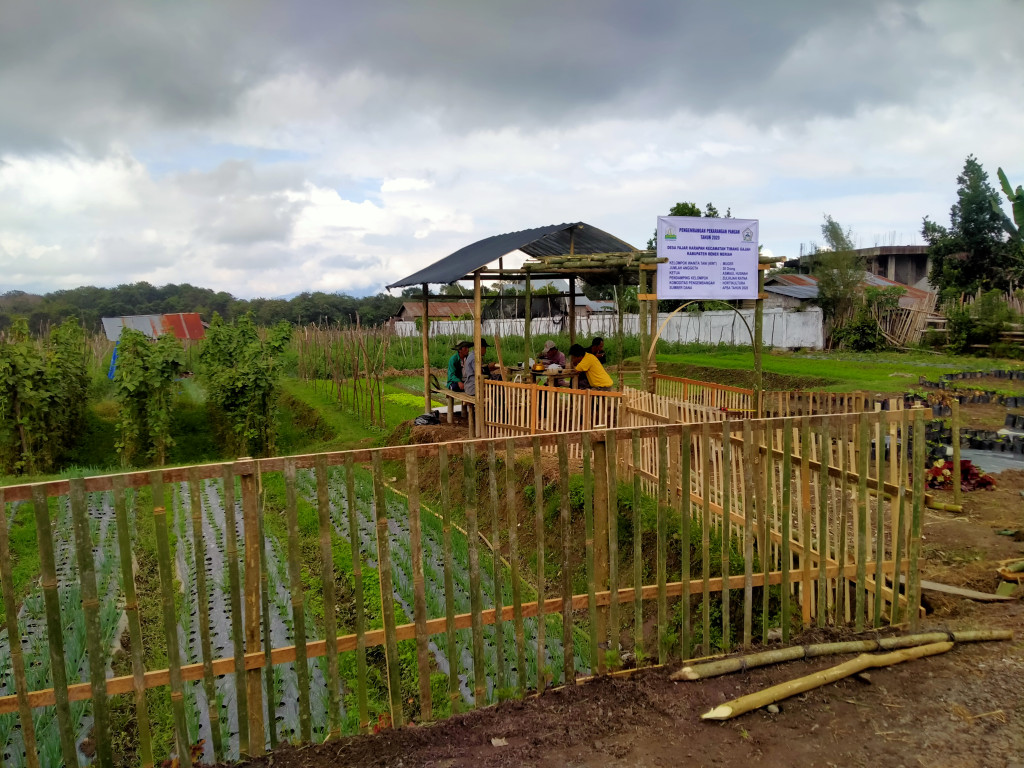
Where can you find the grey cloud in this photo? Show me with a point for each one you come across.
(87, 73)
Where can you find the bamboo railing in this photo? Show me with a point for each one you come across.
(512, 409)
(786, 521)
(706, 393)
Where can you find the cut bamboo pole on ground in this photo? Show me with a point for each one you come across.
(782, 691)
(752, 661)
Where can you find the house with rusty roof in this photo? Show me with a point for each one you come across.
(790, 291)
(439, 310)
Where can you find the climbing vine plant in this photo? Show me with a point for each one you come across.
(240, 368)
(145, 381)
(43, 389)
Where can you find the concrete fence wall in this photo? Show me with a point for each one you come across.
(784, 329)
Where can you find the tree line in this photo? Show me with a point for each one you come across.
(89, 304)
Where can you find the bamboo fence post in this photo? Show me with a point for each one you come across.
(662, 545)
(787, 526)
(387, 592)
(638, 600)
(879, 574)
(862, 522)
(202, 608)
(163, 554)
(602, 466)
(751, 460)
(588, 523)
(805, 519)
(612, 520)
(914, 577)
(823, 529)
(955, 429)
(512, 519)
(705, 475)
(268, 645)
(899, 524)
(324, 530)
(568, 657)
(724, 549)
(28, 731)
(253, 557)
(685, 511)
(454, 695)
(538, 511)
(765, 503)
(54, 625)
(475, 592)
(357, 578)
(235, 598)
(843, 582)
(298, 601)
(499, 608)
(91, 612)
(412, 486)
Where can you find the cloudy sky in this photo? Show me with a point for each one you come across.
(268, 148)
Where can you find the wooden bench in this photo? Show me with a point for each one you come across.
(450, 395)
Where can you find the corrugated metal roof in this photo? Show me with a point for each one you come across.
(552, 240)
(806, 287)
(186, 326)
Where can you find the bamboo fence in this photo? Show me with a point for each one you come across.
(800, 501)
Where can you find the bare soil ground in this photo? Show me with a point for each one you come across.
(963, 708)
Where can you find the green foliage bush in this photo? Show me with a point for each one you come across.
(145, 380)
(241, 368)
(43, 388)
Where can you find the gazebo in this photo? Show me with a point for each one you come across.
(570, 251)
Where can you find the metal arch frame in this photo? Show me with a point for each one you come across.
(654, 341)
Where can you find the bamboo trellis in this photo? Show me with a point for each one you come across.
(793, 496)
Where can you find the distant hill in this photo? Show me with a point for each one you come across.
(89, 304)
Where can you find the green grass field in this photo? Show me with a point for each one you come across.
(833, 371)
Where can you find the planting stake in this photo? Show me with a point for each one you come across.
(499, 619)
(538, 511)
(568, 659)
(449, 586)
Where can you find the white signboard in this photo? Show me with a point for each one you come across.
(707, 258)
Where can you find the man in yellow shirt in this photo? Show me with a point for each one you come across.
(593, 373)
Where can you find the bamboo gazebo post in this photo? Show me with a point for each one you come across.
(426, 349)
(477, 355)
(572, 290)
(528, 315)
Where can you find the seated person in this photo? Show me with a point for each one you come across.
(469, 368)
(455, 381)
(597, 349)
(593, 375)
(551, 356)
